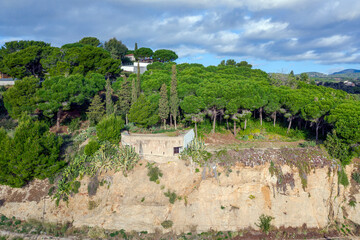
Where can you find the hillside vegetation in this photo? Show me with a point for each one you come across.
(80, 86)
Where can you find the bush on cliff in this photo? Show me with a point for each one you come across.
(32, 153)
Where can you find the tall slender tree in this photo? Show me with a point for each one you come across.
(164, 109)
(96, 110)
(174, 99)
(138, 83)
(124, 102)
(134, 91)
(109, 102)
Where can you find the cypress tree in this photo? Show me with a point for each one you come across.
(163, 104)
(109, 102)
(96, 110)
(133, 91)
(124, 102)
(138, 83)
(174, 100)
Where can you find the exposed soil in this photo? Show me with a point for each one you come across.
(34, 191)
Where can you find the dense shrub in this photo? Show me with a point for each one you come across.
(32, 153)
(109, 129)
(91, 147)
(337, 148)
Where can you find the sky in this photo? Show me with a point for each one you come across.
(272, 35)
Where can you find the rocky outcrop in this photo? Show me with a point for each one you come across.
(233, 201)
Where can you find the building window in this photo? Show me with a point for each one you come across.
(176, 150)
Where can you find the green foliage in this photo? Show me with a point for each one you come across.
(352, 203)
(91, 147)
(107, 157)
(124, 102)
(32, 153)
(21, 97)
(154, 173)
(356, 177)
(93, 41)
(337, 148)
(164, 109)
(60, 92)
(109, 129)
(196, 152)
(74, 125)
(308, 144)
(264, 223)
(167, 224)
(171, 195)
(116, 48)
(342, 177)
(164, 55)
(143, 113)
(109, 102)
(96, 110)
(143, 53)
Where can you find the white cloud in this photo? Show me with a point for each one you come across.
(185, 51)
(331, 41)
(265, 28)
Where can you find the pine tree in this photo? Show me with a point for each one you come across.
(96, 110)
(174, 100)
(133, 91)
(164, 104)
(124, 102)
(109, 102)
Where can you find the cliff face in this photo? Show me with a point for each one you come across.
(233, 201)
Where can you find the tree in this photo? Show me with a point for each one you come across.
(193, 106)
(212, 94)
(243, 64)
(32, 153)
(109, 102)
(174, 100)
(164, 55)
(124, 102)
(143, 113)
(230, 62)
(315, 112)
(164, 104)
(143, 53)
(96, 110)
(134, 91)
(23, 63)
(21, 97)
(59, 93)
(109, 129)
(110, 68)
(274, 105)
(93, 41)
(232, 108)
(116, 48)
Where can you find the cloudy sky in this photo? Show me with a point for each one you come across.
(273, 35)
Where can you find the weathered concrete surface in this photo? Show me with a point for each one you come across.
(229, 203)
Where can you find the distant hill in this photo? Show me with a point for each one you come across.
(315, 74)
(346, 71)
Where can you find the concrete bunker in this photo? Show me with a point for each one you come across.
(160, 147)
